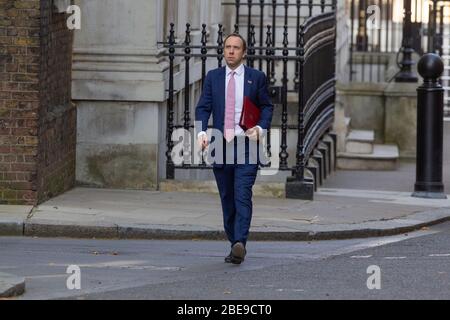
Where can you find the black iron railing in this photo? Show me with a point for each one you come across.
(309, 85)
(377, 34)
(317, 85)
(258, 12)
(428, 30)
(377, 30)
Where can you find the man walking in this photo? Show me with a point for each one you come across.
(223, 95)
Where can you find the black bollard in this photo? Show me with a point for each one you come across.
(430, 128)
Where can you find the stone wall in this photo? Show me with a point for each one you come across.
(120, 78)
(389, 109)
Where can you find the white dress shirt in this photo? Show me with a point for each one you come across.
(239, 94)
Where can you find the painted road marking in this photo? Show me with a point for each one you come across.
(440, 255)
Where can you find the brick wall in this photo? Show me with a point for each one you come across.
(37, 119)
(57, 119)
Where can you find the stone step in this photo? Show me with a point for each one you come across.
(260, 189)
(264, 189)
(361, 135)
(383, 157)
(360, 141)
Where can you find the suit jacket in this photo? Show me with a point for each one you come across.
(212, 99)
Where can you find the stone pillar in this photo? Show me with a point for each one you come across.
(401, 117)
(342, 41)
(119, 86)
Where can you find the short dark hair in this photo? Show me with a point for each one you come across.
(236, 35)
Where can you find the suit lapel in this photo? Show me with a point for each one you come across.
(221, 93)
(247, 81)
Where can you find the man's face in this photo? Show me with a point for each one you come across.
(234, 52)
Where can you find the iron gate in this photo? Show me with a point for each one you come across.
(311, 59)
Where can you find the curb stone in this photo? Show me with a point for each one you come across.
(11, 286)
(379, 228)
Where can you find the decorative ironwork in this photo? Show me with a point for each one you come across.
(284, 116)
(312, 57)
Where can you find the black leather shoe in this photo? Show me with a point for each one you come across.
(228, 258)
(238, 253)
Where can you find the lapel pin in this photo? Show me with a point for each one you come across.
(250, 81)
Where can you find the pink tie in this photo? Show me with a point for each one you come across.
(229, 109)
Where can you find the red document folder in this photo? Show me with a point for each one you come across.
(250, 115)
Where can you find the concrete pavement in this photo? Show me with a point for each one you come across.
(132, 214)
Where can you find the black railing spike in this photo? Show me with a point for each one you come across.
(286, 6)
(220, 35)
(297, 67)
(284, 155)
(310, 5)
(301, 41)
(237, 5)
(204, 39)
(269, 37)
(187, 51)
(285, 37)
(252, 39)
(251, 46)
(249, 18)
(171, 36)
(274, 41)
(220, 45)
(170, 169)
(261, 31)
(187, 39)
(204, 51)
(236, 29)
(268, 53)
(286, 11)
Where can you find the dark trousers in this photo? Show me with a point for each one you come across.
(235, 182)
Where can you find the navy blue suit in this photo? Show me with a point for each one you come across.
(234, 181)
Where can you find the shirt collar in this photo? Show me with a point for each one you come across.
(239, 70)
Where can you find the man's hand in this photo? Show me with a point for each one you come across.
(253, 133)
(202, 141)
